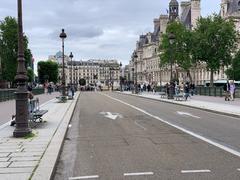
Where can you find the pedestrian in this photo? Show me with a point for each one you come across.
(226, 89)
(186, 91)
(232, 90)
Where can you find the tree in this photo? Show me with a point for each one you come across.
(180, 51)
(47, 71)
(30, 75)
(9, 48)
(234, 71)
(82, 82)
(214, 42)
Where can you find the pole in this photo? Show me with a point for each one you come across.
(22, 115)
(63, 71)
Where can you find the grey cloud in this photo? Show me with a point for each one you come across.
(95, 28)
(75, 32)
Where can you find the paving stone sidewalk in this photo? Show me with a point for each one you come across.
(214, 104)
(24, 158)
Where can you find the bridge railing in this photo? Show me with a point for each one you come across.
(8, 94)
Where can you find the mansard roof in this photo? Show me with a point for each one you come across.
(186, 15)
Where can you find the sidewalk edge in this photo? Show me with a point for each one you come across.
(185, 105)
(47, 164)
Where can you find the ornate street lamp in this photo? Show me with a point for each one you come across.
(171, 38)
(63, 35)
(71, 57)
(135, 56)
(22, 115)
(120, 65)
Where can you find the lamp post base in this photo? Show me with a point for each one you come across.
(22, 116)
(21, 132)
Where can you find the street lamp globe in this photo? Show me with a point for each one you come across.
(63, 35)
(71, 55)
(171, 38)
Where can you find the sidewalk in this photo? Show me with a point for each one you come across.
(209, 103)
(7, 108)
(34, 158)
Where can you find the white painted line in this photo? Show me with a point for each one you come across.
(138, 174)
(187, 114)
(238, 169)
(196, 171)
(225, 148)
(140, 126)
(84, 177)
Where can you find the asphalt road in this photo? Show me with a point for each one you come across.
(113, 140)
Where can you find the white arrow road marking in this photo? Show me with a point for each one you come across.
(187, 114)
(110, 115)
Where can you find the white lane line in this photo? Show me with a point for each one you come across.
(84, 177)
(225, 148)
(140, 125)
(138, 174)
(196, 171)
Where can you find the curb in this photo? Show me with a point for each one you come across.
(185, 105)
(46, 168)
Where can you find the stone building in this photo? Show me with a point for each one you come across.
(147, 65)
(104, 72)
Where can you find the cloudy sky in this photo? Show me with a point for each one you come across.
(105, 29)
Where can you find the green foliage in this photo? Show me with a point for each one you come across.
(47, 71)
(234, 71)
(180, 51)
(82, 82)
(9, 48)
(30, 75)
(214, 42)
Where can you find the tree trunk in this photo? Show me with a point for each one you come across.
(211, 78)
(189, 75)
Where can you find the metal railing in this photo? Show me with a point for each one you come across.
(207, 91)
(214, 91)
(8, 94)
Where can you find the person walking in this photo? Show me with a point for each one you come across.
(186, 91)
(226, 89)
(232, 90)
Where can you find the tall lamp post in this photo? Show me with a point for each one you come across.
(63, 35)
(135, 63)
(171, 38)
(71, 57)
(22, 116)
(121, 79)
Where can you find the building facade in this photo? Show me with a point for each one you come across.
(95, 72)
(147, 66)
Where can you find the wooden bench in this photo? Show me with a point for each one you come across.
(163, 94)
(179, 97)
(35, 114)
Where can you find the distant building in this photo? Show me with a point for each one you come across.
(94, 71)
(147, 66)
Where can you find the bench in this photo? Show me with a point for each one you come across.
(35, 114)
(61, 99)
(179, 97)
(163, 94)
